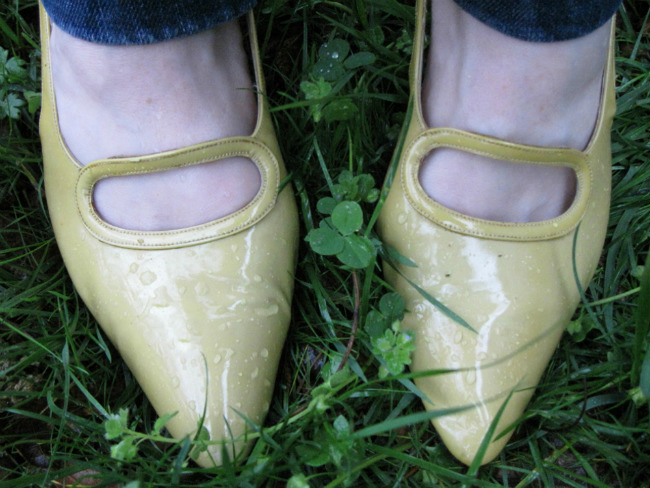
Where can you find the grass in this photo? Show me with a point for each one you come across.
(587, 425)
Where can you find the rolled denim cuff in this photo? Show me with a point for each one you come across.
(127, 22)
(542, 20)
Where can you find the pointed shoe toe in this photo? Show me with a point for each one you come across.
(512, 283)
(198, 314)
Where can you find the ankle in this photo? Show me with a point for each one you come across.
(554, 87)
(121, 74)
(134, 100)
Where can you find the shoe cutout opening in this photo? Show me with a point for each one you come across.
(496, 190)
(177, 198)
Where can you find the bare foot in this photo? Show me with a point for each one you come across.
(544, 94)
(137, 100)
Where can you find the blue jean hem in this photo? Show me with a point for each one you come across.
(129, 22)
(539, 20)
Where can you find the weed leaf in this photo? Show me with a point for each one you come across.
(116, 424)
(347, 217)
(161, 422)
(339, 110)
(325, 241)
(126, 450)
(392, 306)
(357, 60)
(326, 205)
(358, 252)
(642, 320)
(317, 90)
(330, 63)
(298, 481)
(645, 375)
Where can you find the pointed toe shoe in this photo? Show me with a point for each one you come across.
(198, 314)
(512, 283)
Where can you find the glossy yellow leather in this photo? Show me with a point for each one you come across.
(199, 314)
(513, 283)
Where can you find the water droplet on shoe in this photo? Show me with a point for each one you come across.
(201, 288)
(176, 382)
(264, 353)
(161, 297)
(255, 372)
(458, 337)
(268, 311)
(401, 218)
(470, 377)
(147, 278)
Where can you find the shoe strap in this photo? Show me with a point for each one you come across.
(497, 149)
(233, 223)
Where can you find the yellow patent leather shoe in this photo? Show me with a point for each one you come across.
(513, 283)
(199, 314)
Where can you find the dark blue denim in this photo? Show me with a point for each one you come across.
(542, 20)
(147, 21)
(126, 22)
